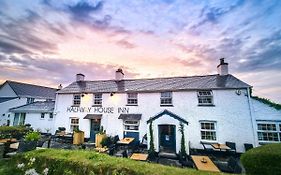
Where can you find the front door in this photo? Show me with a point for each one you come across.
(95, 128)
(167, 138)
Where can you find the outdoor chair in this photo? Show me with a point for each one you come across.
(248, 146)
(231, 166)
(232, 146)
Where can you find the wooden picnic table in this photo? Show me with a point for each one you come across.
(220, 146)
(204, 163)
(139, 156)
(8, 140)
(126, 141)
(101, 150)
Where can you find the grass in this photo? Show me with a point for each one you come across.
(88, 162)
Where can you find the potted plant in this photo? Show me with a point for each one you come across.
(99, 137)
(30, 141)
(182, 153)
(78, 137)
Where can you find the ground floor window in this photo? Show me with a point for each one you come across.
(269, 131)
(74, 124)
(19, 119)
(131, 125)
(208, 130)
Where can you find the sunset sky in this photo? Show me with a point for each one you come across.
(47, 42)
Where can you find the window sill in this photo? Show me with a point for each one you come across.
(131, 104)
(166, 105)
(75, 105)
(206, 105)
(96, 105)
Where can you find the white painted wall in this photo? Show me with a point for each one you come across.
(37, 123)
(231, 113)
(264, 112)
(4, 109)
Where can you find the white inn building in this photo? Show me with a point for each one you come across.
(213, 108)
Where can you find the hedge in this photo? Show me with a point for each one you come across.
(81, 162)
(13, 131)
(263, 160)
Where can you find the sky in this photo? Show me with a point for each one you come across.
(47, 42)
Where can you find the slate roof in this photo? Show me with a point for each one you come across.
(156, 84)
(30, 90)
(38, 106)
(4, 99)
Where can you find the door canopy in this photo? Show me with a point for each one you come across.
(169, 113)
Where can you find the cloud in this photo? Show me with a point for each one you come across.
(125, 44)
(54, 71)
(84, 9)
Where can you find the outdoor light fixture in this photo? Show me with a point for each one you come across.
(111, 94)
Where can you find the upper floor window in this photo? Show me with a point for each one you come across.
(97, 99)
(76, 99)
(132, 99)
(208, 131)
(29, 100)
(205, 98)
(166, 98)
(42, 115)
(51, 115)
(270, 131)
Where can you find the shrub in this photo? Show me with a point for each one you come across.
(263, 160)
(32, 136)
(13, 131)
(80, 162)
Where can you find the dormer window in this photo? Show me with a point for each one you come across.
(76, 100)
(166, 99)
(98, 99)
(132, 99)
(29, 100)
(205, 98)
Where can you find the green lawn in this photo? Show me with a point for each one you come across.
(83, 162)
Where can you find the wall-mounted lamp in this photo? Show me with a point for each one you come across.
(111, 94)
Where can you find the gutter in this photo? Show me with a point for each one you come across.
(252, 119)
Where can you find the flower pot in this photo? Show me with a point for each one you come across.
(78, 138)
(99, 138)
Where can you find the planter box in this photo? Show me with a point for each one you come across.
(78, 138)
(99, 138)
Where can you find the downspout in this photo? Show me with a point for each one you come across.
(252, 118)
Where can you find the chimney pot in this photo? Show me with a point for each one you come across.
(222, 67)
(60, 87)
(80, 77)
(119, 75)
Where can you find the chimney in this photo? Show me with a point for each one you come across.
(222, 67)
(80, 77)
(60, 87)
(119, 75)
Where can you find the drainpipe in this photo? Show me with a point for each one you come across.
(252, 119)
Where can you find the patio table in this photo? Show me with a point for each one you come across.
(204, 163)
(220, 146)
(101, 150)
(126, 141)
(8, 140)
(139, 156)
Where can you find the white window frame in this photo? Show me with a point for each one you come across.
(42, 114)
(76, 99)
(128, 123)
(164, 97)
(73, 125)
(97, 99)
(29, 100)
(204, 96)
(132, 99)
(214, 130)
(51, 114)
(21, 118)
(268, 132)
